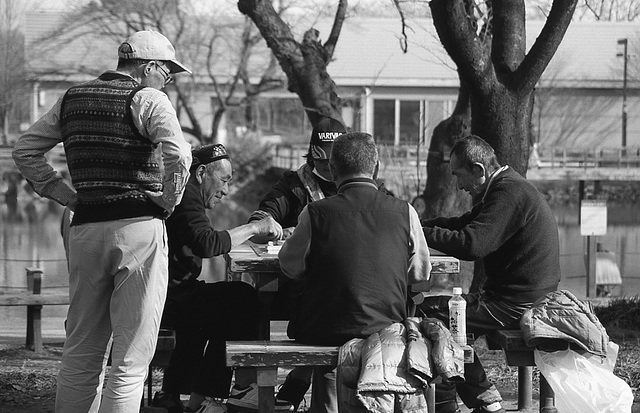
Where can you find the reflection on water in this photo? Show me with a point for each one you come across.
(30, 236)
(622, 238)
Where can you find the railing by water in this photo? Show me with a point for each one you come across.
(551, 163)
(588, 158)
(410, 161)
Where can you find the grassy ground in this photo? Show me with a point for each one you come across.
(27, 380)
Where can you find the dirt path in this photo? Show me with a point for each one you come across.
(28, 380)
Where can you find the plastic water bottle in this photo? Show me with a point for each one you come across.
(458, 317)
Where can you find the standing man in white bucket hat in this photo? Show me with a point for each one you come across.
(118, 266)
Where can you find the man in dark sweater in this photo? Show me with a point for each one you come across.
(358, 251)
(205, 315)
(513, 231)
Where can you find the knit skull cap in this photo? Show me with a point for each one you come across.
(151, 45)
(208, 153)
(323, 135)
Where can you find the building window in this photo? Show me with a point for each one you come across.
(384, 121)
(436, 112)
(409, 122)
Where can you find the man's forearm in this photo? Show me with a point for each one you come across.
(242, 233)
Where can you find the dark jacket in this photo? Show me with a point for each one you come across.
(287, 197)
(191, 237)
(514, 230)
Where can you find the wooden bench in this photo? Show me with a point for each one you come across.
(517, 353)
(34, 300)
(266, 356)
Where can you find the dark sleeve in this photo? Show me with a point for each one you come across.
(453, 223)
(281, 202)
(189, 226)
(479, 232)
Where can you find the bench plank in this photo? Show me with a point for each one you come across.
(517, 353)
(263, 353)
(266, 356)
(18, 299)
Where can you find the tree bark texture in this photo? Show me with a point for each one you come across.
(499, 73)
(304, 63)
(441, 194)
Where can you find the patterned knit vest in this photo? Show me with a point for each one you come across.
(111, 164)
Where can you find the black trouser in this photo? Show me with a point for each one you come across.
(204, 316)
(484, 314)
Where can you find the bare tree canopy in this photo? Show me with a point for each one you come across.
(611, 10)
(218, 43)
(13, 82)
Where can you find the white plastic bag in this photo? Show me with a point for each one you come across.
(585, 383)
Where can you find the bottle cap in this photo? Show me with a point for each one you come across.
(457, 290)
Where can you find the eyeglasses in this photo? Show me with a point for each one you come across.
(166, 74)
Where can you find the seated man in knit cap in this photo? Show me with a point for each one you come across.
(205, 315)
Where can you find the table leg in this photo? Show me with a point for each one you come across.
(267, 287)
(266, 301)
(267, 382)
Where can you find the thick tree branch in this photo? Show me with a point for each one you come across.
(545, 46)
(457, 32)
(330, 44)
(508, 43)
(276, 33)
(304, 63)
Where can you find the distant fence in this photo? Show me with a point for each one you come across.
(292, 156)
(403, 168)
(554, 157)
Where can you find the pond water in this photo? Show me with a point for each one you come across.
(30, 237)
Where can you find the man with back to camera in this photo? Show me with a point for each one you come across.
(358, 252)
(284, 202)
(512, 228)
(118, 269)
(205, 315)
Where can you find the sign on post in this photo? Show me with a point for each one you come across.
(593, 217)
(593, 222)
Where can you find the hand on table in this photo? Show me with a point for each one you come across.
(268, 229)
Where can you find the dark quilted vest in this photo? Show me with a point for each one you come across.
(111, 164)
(358, 266)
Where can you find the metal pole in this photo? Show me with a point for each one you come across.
(624, 55)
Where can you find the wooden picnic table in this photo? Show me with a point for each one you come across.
(263, 268)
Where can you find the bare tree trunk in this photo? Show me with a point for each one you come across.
(441, 194)
(218, 114)
(499, 73)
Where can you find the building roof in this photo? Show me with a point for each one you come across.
(368, 52)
